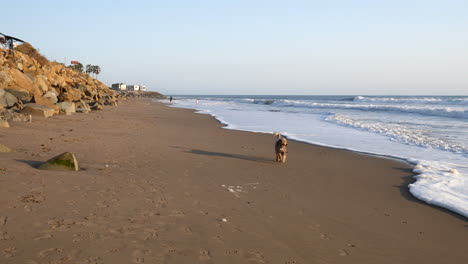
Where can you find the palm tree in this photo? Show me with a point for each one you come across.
(97, 70)
(89, 69)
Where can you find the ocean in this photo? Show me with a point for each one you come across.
(430, 132)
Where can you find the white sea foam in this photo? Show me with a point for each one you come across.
(437, 146)
(454, 112)
(400, 133)
(412, 100)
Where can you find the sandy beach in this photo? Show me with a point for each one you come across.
(166, 185)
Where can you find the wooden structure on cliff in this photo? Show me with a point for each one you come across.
(8, 42)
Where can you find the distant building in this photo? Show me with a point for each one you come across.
(128, 87)
(119, 86)
(133, 87)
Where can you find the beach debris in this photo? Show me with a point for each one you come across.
(64, 161)
(4, 148)
(4, 124)
(3, 220)
(236, 190)
(223, 220)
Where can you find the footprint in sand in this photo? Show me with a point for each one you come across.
(219, 239)
(5, 236)
(177, 213)
(138, 256)
(324, 236)
(342, 253)
(188, 230)
(44, 236)
(255, 257)
(149, 233)
(33, 197)
(91, 260)
(231, 252)
(9, 252)
(47, 252)
(3, 220)
(204, 255)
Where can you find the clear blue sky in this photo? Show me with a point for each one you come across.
(256, 47)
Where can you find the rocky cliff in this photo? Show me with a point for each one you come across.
(30, 85)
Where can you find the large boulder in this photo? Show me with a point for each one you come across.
(51, 96)
(10, 115)
(5, 78)
(38, 110)
(86, 89)
(95, 106)
(21, 86)
(2, 99)
(24, 96)
(64, 161)
(71, 95)
(7, 99)
(82, 107)
(40, 81)
(66, 108)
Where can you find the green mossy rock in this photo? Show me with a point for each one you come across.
(64, 161)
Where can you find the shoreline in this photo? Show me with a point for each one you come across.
(158, 181)
(436, 182)
(225, 126)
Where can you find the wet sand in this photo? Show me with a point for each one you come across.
(165, 185)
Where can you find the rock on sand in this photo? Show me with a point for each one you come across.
(64, 161)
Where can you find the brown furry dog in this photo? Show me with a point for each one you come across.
(280, 148)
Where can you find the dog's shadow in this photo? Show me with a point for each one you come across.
(225, 155)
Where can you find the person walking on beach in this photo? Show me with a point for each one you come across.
(170, 99)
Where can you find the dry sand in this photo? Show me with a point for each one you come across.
(165, 185)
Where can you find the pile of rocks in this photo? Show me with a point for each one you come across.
(29, 88)
(144, 94)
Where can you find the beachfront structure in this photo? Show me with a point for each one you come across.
(119, 86)
(128, 87)
(133, 87)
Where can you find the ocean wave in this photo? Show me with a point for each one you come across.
(414, 100)
(400, 133)
(418, 109)
(255, 101)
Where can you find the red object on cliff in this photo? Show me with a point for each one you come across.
(74, 62)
